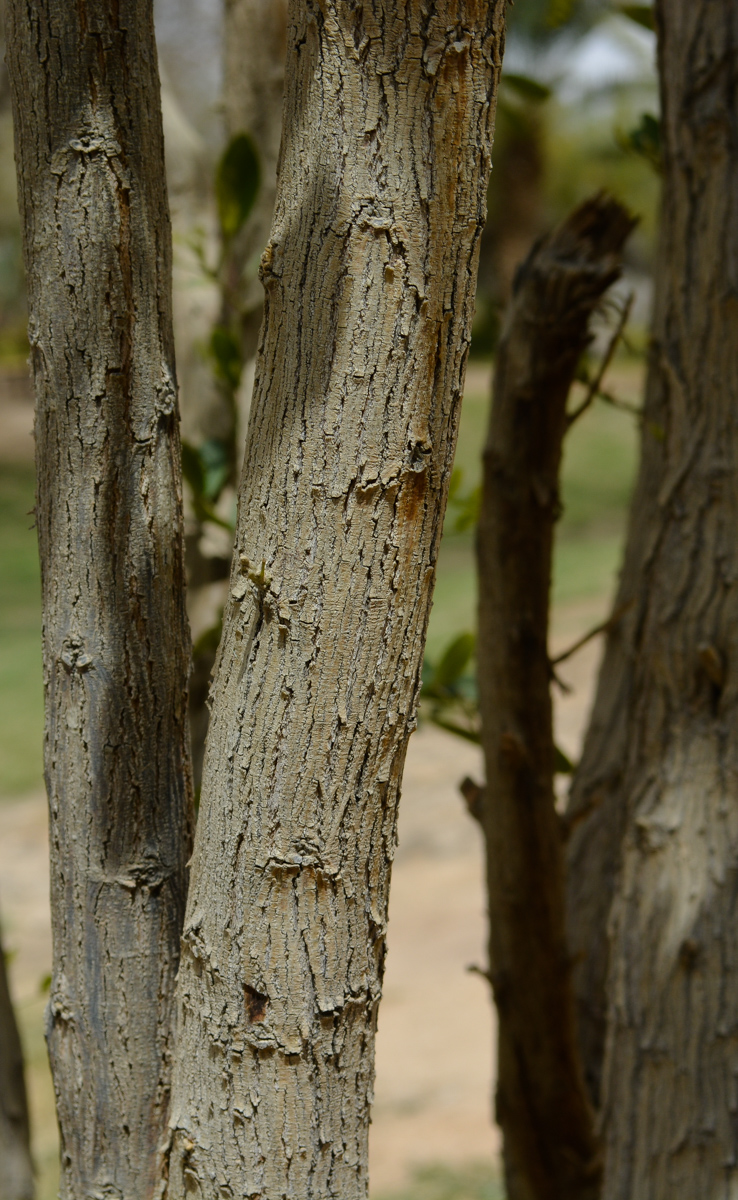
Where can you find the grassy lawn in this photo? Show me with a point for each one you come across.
(476, 1181)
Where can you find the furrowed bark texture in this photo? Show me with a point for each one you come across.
(16, 1169)
(668, 694)
(550, 1148)
(369, 278)
(115, 641)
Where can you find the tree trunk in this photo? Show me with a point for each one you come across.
(668, 703)
(369, 278)
(115, 642)
(16, 1169)
(550, 1148)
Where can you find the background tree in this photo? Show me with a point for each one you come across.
(16, 1169)
(116, 650)
(655, 794)
(550, 1147)
(369, 277)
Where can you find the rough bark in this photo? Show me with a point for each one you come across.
(669, 1104)
(16, 1169)
(115, 642)
(369, 278)
(550, 1148)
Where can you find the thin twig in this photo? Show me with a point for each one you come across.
(605, 627)
(634, 409)
(594, 387)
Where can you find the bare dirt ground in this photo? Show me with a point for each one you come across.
(435, 1044)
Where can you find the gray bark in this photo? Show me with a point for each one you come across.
(16, 1169)
(115, 643)
(369, 278)
(658, 777)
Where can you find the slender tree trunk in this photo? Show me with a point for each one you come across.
(115, 642)
(550, 1148)
(369, 278)
(16, 1169)
(667, 702)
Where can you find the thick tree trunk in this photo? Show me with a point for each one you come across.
(16, 1169)
(550, 1148)
(369, 278)
(668, 703)
(115, 642)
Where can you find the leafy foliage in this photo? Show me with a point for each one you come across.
(206, 469)
(645, 140)
(237, 181)
(642, 14)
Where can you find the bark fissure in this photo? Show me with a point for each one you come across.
(115, 643)
(359, 378)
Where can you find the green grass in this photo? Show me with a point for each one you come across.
(475, 1181)
(21, 700)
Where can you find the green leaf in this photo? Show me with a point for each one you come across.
(559, 12)
(645, 140)
(45, 984)
(527, 88)
(642, 14)
(562, 763)
(192, 469)
(209, 640)
(237, 182)
(226, 354)
(454, 660)
(215, 467)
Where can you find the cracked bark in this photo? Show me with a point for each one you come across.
(659, 772)
(369, 278)
(16, 1169)
(551, 1151)
(115, 643)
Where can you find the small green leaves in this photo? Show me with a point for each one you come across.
(645, 140)
(562, 763)
(237, 182)
(559, 13)
(642, 14)
(455, 659)
(226, 355)
(526, 87)
(206, 469)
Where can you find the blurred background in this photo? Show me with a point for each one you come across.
(577, 112)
